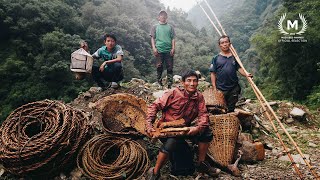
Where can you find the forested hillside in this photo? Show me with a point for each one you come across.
(291, 70)
(37, 38)
(282, 70)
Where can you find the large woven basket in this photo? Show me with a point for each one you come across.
(225, 129)
(215, 100)
(123, 113)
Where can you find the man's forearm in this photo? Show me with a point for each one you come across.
(244, 73)
(213, 79)
(118, 59)
(173, 44)
(241, 71)
(153, 44)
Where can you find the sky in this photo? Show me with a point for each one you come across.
(185, 5)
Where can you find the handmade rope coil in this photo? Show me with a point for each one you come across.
(41, 137)
(112, 157)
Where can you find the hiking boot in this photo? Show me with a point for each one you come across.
(204, 167)
(106, 86)
(160, 82)
(100, 84)
(151, 175)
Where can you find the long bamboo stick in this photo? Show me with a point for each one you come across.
(266, 113)
(261, 99)
(253, 85)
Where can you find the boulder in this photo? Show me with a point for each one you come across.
(137, 81)
(297, 113)
(296, 158)
(177, 79)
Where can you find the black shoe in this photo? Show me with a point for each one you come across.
(160, 82)
(100, 84)
(204, 167)
(105, 86)
(151, 175)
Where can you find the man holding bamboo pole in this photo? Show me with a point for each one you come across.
(223, 72)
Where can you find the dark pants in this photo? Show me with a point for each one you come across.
(113, 73)
(232, 97)
(169, 144)
(167, 60)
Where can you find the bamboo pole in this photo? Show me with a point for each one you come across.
(266, 113)
(262, 99)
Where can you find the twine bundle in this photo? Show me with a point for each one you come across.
(39, 138)
(111, 157)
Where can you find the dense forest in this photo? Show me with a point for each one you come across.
(37, 38)
(282, 70)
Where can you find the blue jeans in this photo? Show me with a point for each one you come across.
(112, 73)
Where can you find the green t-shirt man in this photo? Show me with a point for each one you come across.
(163, 47)
(163, 35)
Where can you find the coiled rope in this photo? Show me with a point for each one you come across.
(39, 138)
(111, 157)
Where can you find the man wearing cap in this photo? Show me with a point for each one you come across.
(163, 46)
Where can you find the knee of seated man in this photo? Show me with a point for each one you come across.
(206, 136)
(117, 66)
(169, 145)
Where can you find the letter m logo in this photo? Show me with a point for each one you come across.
(292, 25)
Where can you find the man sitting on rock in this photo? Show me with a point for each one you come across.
(187, 103)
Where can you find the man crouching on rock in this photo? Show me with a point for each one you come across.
(187, 103)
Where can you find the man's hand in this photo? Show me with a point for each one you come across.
(155, 52)
(193, 131)
(101, 69)
(249, 75)
(214, 88)
(172, 52)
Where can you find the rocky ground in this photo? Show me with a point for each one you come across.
(304, 129)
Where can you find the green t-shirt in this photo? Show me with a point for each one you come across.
(163, 35)
(106, 55)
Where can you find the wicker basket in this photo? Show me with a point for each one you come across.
(123, 114)
(225, 129)
(215, 100)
